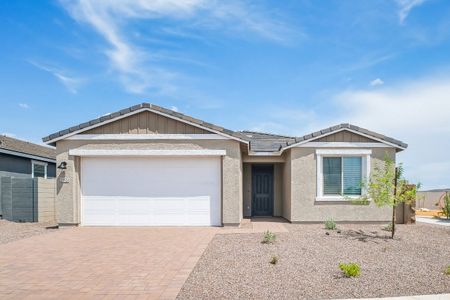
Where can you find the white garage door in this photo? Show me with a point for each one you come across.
(157, 191)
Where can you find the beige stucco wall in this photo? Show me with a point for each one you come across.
(305, 208)
(68, 193)
(277, 189)
(287, 184)
(45, 192)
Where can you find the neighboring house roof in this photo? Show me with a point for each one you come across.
(23, 148)
(258, 141)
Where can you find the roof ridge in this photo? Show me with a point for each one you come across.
(266, 133)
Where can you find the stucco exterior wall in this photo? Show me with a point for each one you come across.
(305, 208)
(287, 184)
(68, 181)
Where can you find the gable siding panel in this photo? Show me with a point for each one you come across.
(146, 123)
(346, 137)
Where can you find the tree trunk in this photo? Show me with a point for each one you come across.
(395, 204)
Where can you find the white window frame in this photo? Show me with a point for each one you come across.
(41, 163)
(365, 166)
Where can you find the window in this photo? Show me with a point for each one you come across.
(341, 172)
(342, 175)
(38, 169)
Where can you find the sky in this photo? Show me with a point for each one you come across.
(289, 67)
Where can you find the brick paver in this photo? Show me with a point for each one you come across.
(101, 263)
(109, 262)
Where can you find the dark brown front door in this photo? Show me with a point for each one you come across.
(262, 190)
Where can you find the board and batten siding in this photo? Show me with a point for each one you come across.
(146, 123)
(346, 137)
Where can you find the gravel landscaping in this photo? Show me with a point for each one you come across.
(12, 231)
(237, 265)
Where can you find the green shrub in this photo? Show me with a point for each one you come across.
(447, 270)
(350, 269)
(269, 237)
(330, 224)
(446, 206)
(274, 260)
(388, 227)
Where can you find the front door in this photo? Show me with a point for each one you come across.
(262, 190)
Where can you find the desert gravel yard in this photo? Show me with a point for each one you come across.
(237, 265)
(13, 231)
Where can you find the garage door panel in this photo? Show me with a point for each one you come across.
(149, 191)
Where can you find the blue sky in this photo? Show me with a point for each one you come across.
(289, 67)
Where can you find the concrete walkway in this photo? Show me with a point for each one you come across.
(419, 297)
(434, 221)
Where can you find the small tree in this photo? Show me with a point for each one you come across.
(386, 187)
(446, 205)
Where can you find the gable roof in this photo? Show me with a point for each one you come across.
(257, 141)
(352, 128)
(23, 147)
(52, 138)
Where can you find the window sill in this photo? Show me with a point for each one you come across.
(337, 198)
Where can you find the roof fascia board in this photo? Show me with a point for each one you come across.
(343, 145)
(35, 157)
(154, 136)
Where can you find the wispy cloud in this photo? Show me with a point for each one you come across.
(139, 70)
(70, 83)
(376, 82)
(405, 8)
(8, 134)
(24, 105)
(415, 112)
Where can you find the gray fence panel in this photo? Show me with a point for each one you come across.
(6, 196)
(27, 199)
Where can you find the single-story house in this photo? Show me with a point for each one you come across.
(146, 165)
(24, 159)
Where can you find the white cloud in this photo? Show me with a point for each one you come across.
(24, 105)
(9, 134)
(415, 112)
(138, 70)
(405, 8)
(70, 83)
(376, 82)
(174, 108)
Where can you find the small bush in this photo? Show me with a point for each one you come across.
(350, 269)
(447, 270)
(388, 227)
(274, 260)
(269, 237)
(446, 206)
(330, 224)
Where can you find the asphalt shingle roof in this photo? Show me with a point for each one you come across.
(259, 141)
(12, 144)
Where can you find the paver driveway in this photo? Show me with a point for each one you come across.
(101, 263)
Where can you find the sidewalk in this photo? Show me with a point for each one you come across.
(434, 221)
(418, 297)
